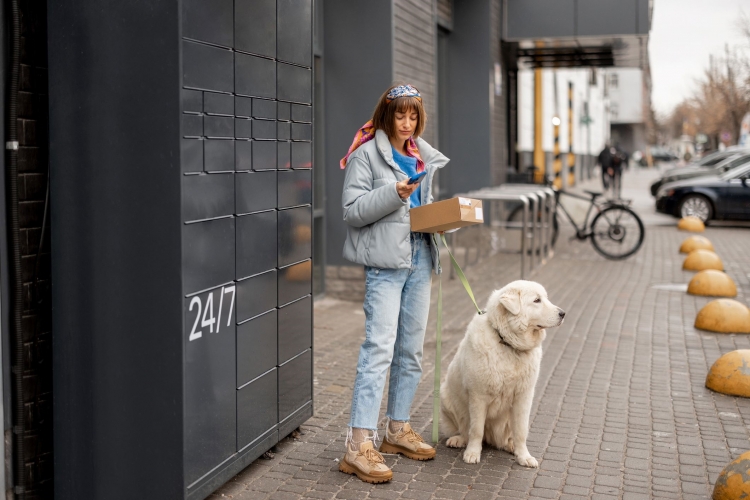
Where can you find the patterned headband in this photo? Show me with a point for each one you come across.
(402, 91)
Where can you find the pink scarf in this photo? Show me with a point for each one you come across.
(367, 133)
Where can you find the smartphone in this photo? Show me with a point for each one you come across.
(417, 178)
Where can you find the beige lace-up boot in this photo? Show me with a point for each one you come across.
(366, 463)
(408, 443)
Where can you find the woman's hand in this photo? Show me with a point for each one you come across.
(405, 190)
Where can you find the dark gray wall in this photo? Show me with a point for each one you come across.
(358, 48)
(567, 18)
(467, 113)
(117, 347)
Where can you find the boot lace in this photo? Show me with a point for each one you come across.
(372, 456)
(412, 436)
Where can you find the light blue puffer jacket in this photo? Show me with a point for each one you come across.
(377, 218)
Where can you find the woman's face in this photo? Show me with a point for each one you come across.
(406, 124)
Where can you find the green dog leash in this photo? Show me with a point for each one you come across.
(439, 335)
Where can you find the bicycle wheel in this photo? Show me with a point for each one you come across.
(617, 232)
(516, 218)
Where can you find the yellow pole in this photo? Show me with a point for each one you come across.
(571, 155)
(538, 152)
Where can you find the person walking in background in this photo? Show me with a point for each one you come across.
(605, 161)
(376, 199)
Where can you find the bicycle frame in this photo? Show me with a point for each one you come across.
(581, 232)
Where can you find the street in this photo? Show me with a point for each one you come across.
(620, 408)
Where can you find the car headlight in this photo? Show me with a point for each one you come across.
(664, 193)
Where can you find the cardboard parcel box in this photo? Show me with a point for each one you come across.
(446, 215)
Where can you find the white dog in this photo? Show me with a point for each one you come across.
(490, 382)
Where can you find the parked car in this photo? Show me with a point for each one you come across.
(662, 154)
(725, 196)
(723, 164)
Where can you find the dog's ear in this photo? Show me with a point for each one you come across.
(511, 300)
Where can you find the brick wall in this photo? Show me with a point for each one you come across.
(32, 183)
(415, 52)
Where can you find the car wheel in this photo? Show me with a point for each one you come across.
(696, 205)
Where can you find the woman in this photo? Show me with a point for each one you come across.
(398, 263)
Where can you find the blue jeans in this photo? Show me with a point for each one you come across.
(397, 302)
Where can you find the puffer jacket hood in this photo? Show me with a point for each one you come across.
(378, 224)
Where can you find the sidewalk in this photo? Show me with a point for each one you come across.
(620, 409)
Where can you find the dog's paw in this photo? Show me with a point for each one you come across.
(527, 461)
(471, 456)
(456, 441)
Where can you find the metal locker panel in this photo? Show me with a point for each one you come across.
(301, 113)
(206, 67)
(284, 158)
(295, 282)
(192, 125)
(300, 132)
(294, 31)
(208, 21)
(264, 129)
(295, 188)
(207, 254)
(295, 235)
(283, 131)
(210, 394)
(263, 108)
(192, 101)
(255, 191)
(256, 347)
(218, 126)
(294, 83)
(295, 329)
(218, 104)
(242, 128)
(264, 155)
(218, 155)
(257, 410)
(255, 26)
(284, 111)
(243, 151)
(254, 76)
(243, 106)
(192, 155)
(301, 155)
(295, 384)
(207, 196)
(256, 295)
(256, 252)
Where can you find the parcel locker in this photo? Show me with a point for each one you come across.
(181, 138)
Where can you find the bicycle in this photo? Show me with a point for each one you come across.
(616, 231)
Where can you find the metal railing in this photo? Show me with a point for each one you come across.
(536, 229)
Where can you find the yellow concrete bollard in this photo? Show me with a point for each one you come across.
(691, 223)
(700, 260)
(730, 374)
(724, 316)
(696, 243)
(712, 283)
(732, 483)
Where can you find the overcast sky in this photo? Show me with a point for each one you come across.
(683, 34)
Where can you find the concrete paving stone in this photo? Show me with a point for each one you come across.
(450, 494)
(542, 493)
(415, 495)
(325, 495)
(479, 495)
